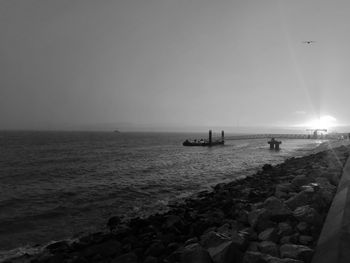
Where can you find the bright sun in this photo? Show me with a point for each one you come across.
(324, 122)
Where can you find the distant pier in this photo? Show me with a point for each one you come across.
(275, 145)
(331, 136)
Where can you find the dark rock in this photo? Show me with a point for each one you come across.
(303, 228)
(283, 260)
(268, 247)
(270, 234)
(308, 214)
(227, 228)
(254, 257)
(240, 239)
(333, 178)
(194, 253)
(249, 234)
(301, 180)
(168, 237)
(242, 217)
(324, 183)
(191, 241)
(260, 219)
(126, 258)
(292, 239)
(151, 259)
(106, 249)
(286, 240)
(305, 240)
(199, 226)
(300, 199)
(296, 252)
(267, 167)
(172, 221)
(253, 246)
(172, 247)
(113, 222)
(277, 209)
(225, 252)
(155, 249)
(58, 247)
(284, 229)
(283, 190)
(213, 239)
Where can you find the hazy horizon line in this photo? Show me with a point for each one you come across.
(174, 129)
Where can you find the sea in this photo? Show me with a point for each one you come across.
(58, 185)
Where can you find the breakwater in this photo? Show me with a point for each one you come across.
(275, 215)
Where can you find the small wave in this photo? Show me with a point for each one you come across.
(28, 251)
(19, 252)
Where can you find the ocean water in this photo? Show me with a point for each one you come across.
(55, 185)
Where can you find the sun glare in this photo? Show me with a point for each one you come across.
(324, 122)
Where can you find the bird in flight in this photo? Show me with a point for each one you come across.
(309, 42)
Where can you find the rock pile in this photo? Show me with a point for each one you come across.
(274, 216)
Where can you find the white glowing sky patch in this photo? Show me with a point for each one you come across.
(324, 122)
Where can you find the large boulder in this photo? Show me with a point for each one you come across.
(301, 180)
(241, 238)
(259, 219)
(105, 249)
(308, 214)
(303, 228)
(300, 199)
(193, 253)
(332, 175)
(155, 249)
(253, 246)
(283, 190)
(284, 229)
(126, 258)
(283, 260)
(305, 240)
(269, 234)
(324, 183)
(318, 195)
(225, 252)
(254, 257)
(291, 239)
(172, 221)
(223, 248)
(269, 247)
(213, 239)
(299, 252)
(277, 209)
(113, 222)
(58, 247)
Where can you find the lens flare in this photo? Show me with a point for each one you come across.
(324, 122)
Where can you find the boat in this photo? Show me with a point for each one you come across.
(195, 143)
(209, 142)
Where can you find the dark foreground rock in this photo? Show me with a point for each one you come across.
(275, 215)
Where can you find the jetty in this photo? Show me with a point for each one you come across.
(329, 136)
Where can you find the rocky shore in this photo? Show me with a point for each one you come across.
(273, 216)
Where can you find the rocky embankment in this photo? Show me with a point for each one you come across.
(273, 216)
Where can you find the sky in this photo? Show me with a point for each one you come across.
(173, 64)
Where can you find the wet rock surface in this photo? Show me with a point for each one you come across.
(275, 215)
